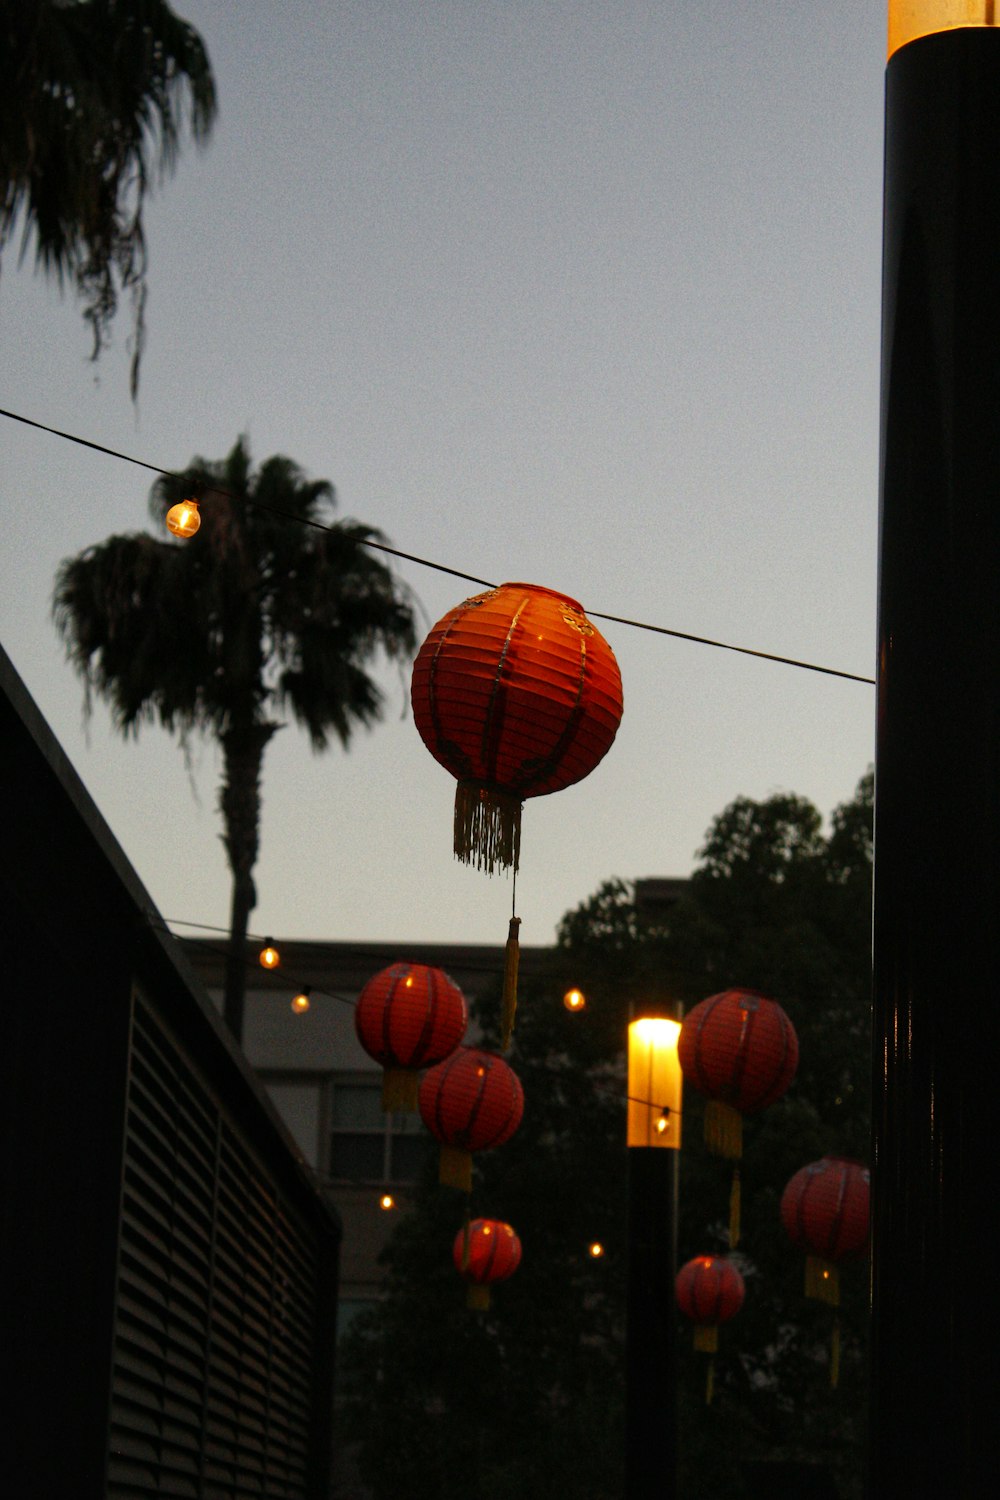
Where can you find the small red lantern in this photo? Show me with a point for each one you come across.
(407, 1017)
(710, 1291)
(470, 1102)
(824, 1209)
(485, 1251)
(517, 695)
(740, 1050)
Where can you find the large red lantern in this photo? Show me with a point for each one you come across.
(470, 1102)
(825, 1209)
(517, 694)
(407, 1017)
(710, 1291)
(485, 1251)
(740, 1050)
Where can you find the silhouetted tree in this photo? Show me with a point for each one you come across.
(94, 98)
(263, 611)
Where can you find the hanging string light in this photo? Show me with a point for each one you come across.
(301, 1001)
(575, 1000)
(269, 957)
(184, 519)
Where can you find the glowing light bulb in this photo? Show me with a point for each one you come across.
(183, 519)
(662, 1123)
(595, 1250)
(269, 957)
(575, 1000)
(301, 1002)
(387, 1201)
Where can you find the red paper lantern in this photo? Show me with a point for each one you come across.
(710, 1291)
(407, 1017)
(824, 1209)
(485, 1251)
(516, 694)
(740, 1050)
(470, 1102)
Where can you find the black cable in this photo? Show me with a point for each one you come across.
(423, 562)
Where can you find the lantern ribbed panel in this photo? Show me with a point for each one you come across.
(471, 1101)
(824, 1208)
(410, 1016)
(709, 1290)
(739, 1048)
(516, 691)
(494, 1251)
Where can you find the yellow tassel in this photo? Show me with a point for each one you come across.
(400, 1090)
(710, 1383)
(477, 1296)
(706, 1337)
(835, 1355)
(512, 957)
(487, 827)
(734, 1210)
(723, 1130)
(822, 1280)
(455, 1168)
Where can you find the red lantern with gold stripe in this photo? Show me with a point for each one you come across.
(517, 694)
(825, 1211)
(740, 1050)
(485, 1251)
(408, 1017)
(470, 1102)
(710, 1291)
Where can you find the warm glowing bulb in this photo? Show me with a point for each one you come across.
(269, 956)
(387, 1201)
(183, 519)
(662, 1123)
(596, 1250)
(300, 1002)
(574, 1000)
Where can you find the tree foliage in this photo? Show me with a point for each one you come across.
(527, 1400)
(95, 97)
(270, 609)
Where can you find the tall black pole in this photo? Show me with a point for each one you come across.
(654, 1139)
(936, 1354)
(651, 1322)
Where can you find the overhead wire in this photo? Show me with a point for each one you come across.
(424, 562)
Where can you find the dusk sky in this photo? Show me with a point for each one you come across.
(581, 294)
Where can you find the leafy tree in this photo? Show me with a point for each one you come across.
(95, 96)
(283, 611)
(527, 1400)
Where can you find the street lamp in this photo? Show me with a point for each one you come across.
(654, 1138)
(937, 817)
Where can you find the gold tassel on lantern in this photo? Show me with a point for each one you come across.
(734, 1210)
(487, 827)
(400, 1089)
(822, 1280)
(455, 1168)
(512, 957)
(723, 1130)
(477, 1296)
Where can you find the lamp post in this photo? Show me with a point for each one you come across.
(654, 1138)
(937, 820)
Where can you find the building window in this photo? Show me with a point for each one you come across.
(367, 1145)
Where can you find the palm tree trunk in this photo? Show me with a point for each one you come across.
(239, 802)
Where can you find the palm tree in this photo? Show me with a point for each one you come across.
(268, 609)
(94, 97)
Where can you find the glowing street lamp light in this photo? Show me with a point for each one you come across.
(937, 815)
(654, 1137)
